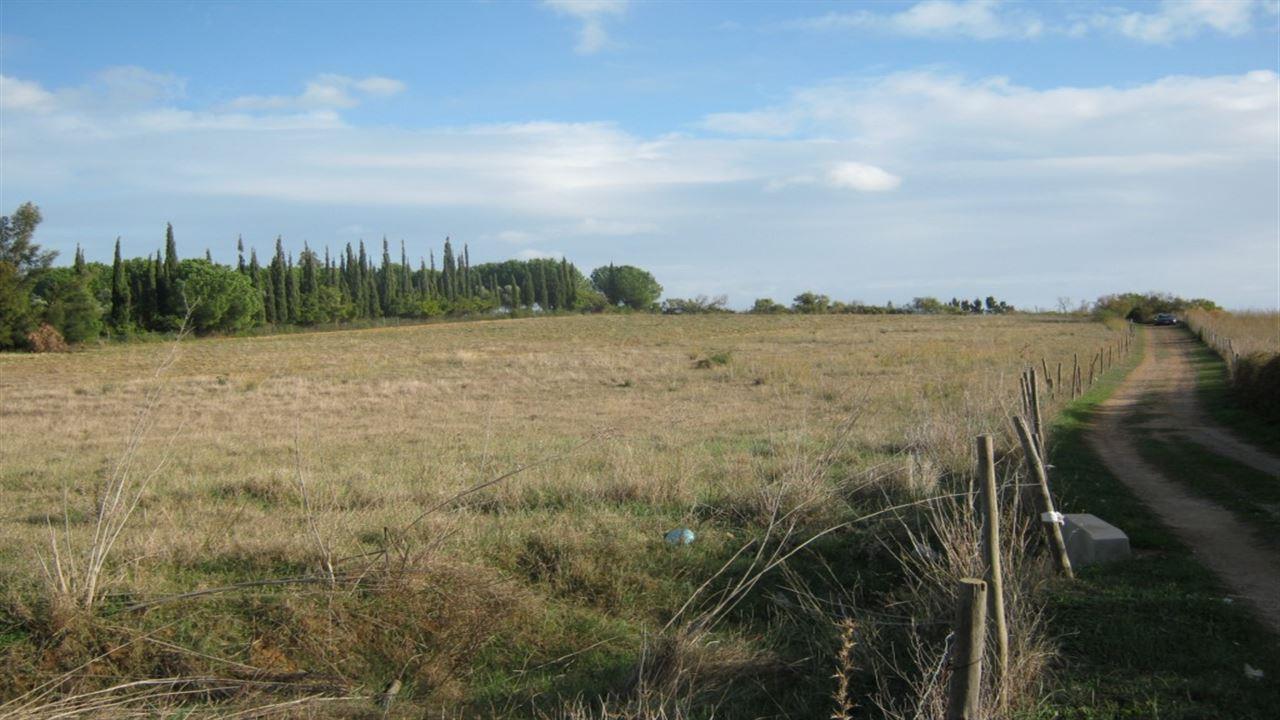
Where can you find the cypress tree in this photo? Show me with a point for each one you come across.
(292, 289)
(240, 255)
(541, 287)
(208, 256)
(450, 287)
(526, 289)
(405, 283)
(174, 303)
(373, 307)
(271, 308)
(170, 253)
(152, 289)
(268, 311)
(119, 292)
(79, 262)
(309, 278)
(279, 283)
(388, 294)
(466, 270)
(432, 290)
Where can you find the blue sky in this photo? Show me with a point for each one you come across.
(871, 151)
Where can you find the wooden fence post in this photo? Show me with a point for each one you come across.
(1048, 516)
(964, 693)
(991, 549)
(1058, 384)
(1075, 375)
(1033, 386)
(1048, 379)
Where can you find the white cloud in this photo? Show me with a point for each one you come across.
(611, 228)
(976, 19)
(592, 36)
(1180, 19)
(991, 170)
(324, 92)
(862, 177)
(22, 95)
(531, 254)
(1169, 21)
(516, 237)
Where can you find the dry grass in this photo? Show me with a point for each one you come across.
(1249, 331)
(316, 455)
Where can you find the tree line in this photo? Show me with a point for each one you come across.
(161, 292)
(811, 303)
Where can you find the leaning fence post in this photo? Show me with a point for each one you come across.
(991, 549)
(964, 692)
(1049, 517)
(1035, 409)
(1048, 379)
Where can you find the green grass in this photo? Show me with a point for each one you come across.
(1154, 636)
(1218, 400)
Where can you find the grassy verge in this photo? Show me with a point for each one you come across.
(1157, 635)
(1218, 399)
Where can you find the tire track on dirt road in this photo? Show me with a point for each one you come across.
(1161, 395)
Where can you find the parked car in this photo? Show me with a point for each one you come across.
(1165, 319)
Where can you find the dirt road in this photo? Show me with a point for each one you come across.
(1163, 388)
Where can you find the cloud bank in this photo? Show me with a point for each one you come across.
(916, 182)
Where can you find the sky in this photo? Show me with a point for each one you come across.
(1039, 152)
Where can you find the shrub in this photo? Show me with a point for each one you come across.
(1257, 383)
(46, 338)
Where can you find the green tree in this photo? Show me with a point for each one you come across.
(120, 312)
(810, 303)
(627, 285)
(21, 260)
(69, 304)
(767, 306)
(221, 299)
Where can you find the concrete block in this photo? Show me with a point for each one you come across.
(1091, 540)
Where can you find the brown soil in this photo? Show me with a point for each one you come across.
(1163, 389)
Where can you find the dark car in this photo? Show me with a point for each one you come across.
(1165, 319)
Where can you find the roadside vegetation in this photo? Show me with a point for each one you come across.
(1249, 344)
(1157, 635)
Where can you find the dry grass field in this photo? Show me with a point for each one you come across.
(338, 457)
(1250, 332)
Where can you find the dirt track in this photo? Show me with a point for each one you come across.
(1164, 387)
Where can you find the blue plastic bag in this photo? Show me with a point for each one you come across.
(680, 536)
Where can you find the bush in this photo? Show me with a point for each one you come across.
(1257, 383)
(46, 338)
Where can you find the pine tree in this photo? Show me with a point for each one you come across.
(119, 292)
